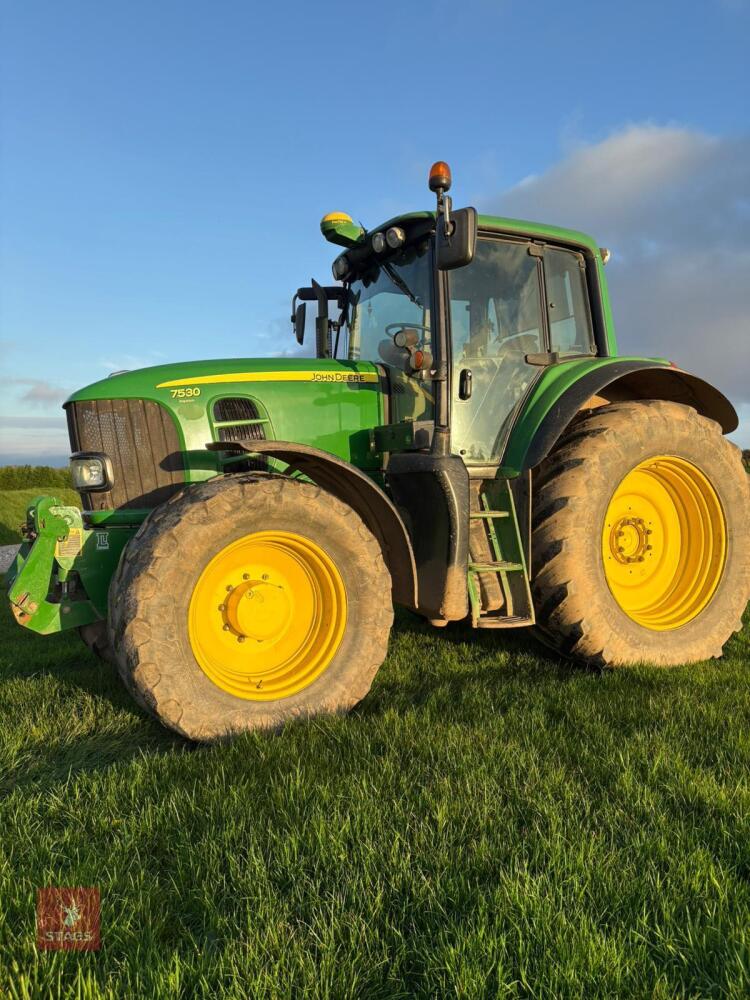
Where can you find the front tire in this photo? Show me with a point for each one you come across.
(246, 602)
(640, 537)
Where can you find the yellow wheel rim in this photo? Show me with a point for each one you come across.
(664, 543)
(267, 615)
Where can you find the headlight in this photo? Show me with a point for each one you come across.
(90, 472)
(378, 243)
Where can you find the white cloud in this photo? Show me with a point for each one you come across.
(29, 438)
(674, 206)
(39, 392)
(35, 445)
(24, 422)
(741, 436)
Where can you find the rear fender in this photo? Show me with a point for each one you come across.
(548, 413)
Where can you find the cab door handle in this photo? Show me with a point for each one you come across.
(465, 383)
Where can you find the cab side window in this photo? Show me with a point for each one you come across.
(567, 303)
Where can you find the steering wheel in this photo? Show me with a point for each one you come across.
(515, 336)
(393, 328)
(492, 367)
(500, 348)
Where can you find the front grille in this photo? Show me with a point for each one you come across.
(237, 418)
(233, 414)
(140, 438)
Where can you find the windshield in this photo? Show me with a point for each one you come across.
(394, 295)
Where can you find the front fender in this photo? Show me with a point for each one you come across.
(350, 485)
(564, 389)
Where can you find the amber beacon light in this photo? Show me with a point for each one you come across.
(440, 176)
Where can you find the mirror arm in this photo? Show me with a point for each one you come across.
(322, 324)
(324, 327)
(445, 204)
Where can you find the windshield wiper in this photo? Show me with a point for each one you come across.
(399, 282)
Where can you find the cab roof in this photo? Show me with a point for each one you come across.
(500, 224)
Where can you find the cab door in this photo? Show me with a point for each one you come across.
(497, 319)
(516, 307)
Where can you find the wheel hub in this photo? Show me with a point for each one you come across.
(664, 543)
(267, 615)
(629, 540)
(257, 609)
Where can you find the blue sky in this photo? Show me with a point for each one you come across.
(165, 167)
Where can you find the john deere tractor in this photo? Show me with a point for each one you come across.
(466, 442)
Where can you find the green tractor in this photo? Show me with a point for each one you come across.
(466, 442)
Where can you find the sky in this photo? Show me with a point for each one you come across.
(164, 168)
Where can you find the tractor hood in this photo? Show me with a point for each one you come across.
(324, 403)
(158, 382)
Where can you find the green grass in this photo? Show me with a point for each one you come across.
(13, 504)
(487, 824)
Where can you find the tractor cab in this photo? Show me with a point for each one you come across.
(463, 312)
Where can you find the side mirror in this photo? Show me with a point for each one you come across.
(456, 247)
(323, 295)
(300, 314)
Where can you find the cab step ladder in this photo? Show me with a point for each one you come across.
(499, 592)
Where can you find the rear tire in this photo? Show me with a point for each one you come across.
(584, 596)
(209, 663)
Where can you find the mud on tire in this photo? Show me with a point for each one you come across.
(576, 612)
(151, 591)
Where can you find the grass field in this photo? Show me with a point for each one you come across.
(487, 824)
(13, 504)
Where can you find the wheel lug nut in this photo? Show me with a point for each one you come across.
(245, 576)
(226, 628)
(222, 607)
(229, 587)
(240, 638)
(265, 576)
